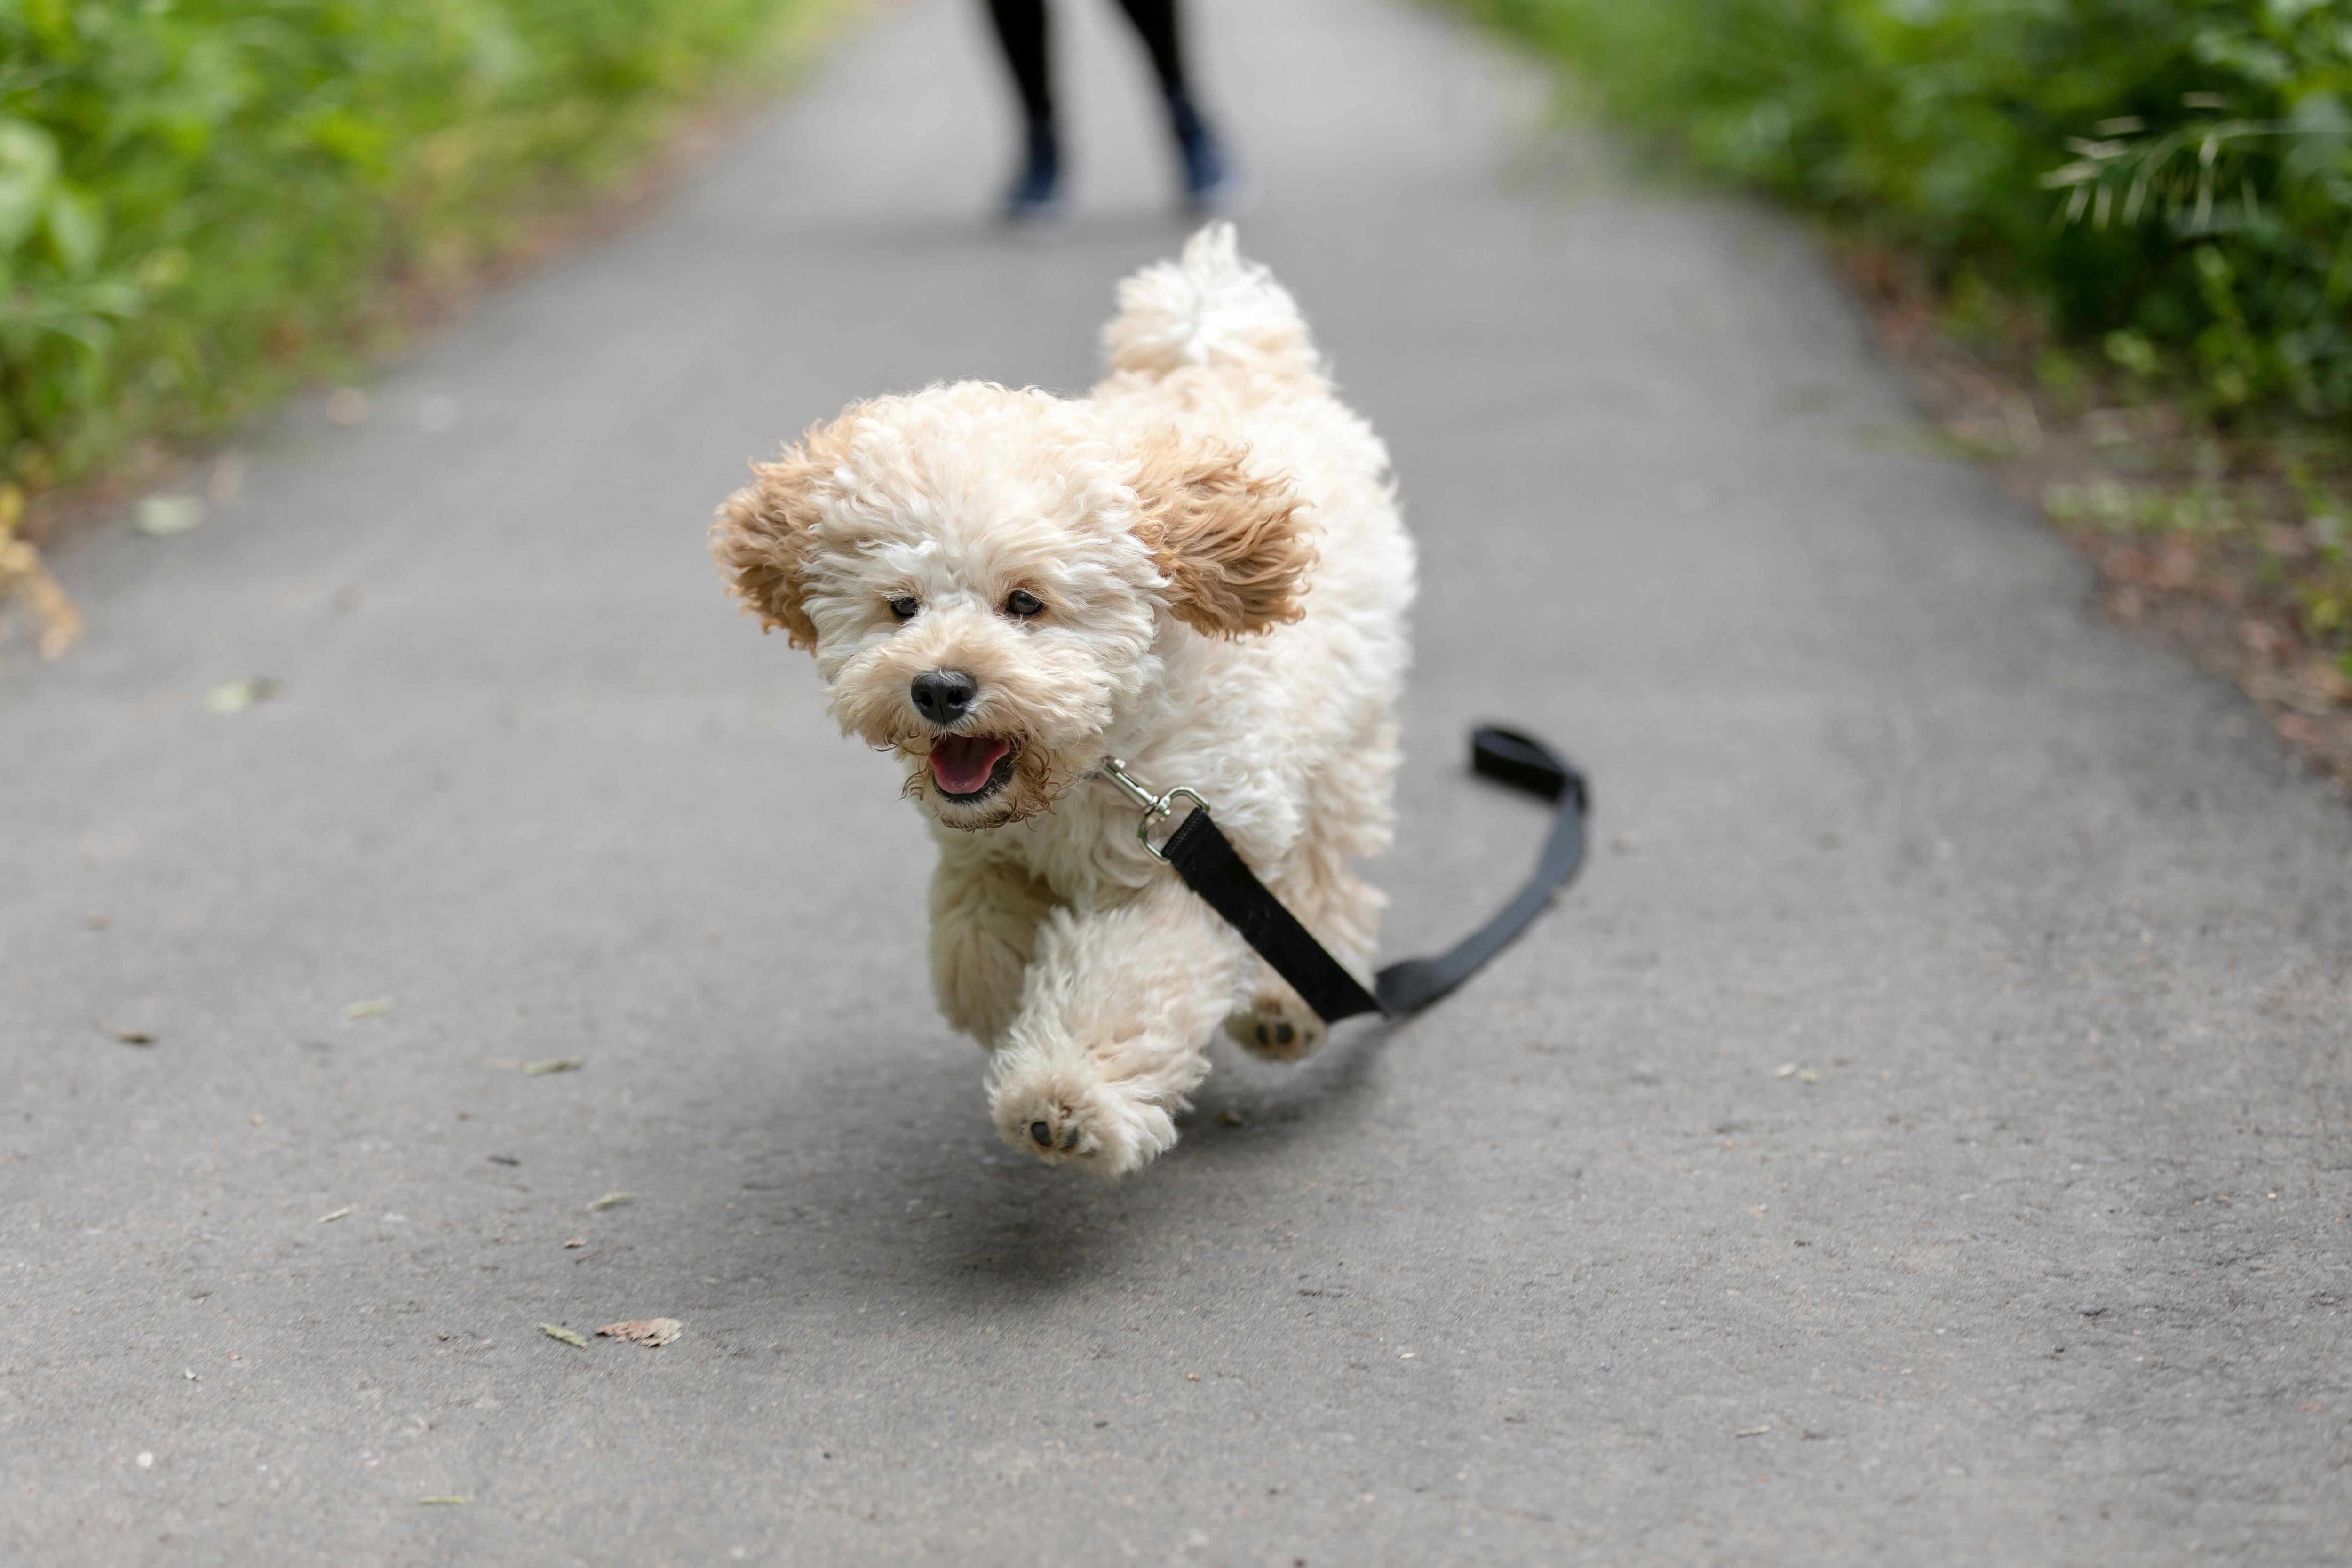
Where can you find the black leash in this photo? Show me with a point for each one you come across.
(1206, 860)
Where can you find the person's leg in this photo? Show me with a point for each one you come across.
(1036, 190)
(1021, 33)
(1210, 183)
(1155, 23)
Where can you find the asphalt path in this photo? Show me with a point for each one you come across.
(1921, 1136)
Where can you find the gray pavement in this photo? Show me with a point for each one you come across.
(2041, 1256)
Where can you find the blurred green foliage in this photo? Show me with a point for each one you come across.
(202, 200)
(2170, 179)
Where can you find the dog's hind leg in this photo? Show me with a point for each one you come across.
(1117, 1005)
(985, 917)
(1349, 816)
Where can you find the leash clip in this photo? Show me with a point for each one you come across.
(1153, 807)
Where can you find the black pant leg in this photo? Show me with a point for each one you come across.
(1155, 22)
(1021, 31)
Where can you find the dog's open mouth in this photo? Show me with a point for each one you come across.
(967, 767)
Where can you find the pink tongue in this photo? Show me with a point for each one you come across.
(961, 763)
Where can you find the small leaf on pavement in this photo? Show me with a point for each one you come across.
(369, 1007)
(160, 517)
(237, 695)
(570, 1337)
(612, 1201)
(554, 1064)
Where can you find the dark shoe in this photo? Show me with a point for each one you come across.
(1212, 184)
(1035, 194)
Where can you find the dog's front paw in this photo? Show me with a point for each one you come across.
(1067, 1116)
(1279, 1025)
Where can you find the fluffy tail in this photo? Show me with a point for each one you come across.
(1210, 308)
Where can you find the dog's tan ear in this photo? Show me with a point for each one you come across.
(1230, 541)
(762, 533)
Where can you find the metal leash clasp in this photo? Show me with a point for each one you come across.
(1154, 807)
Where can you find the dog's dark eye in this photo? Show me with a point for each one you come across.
(1023, 604)
(905, 608)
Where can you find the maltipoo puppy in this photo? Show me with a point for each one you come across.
(1198, 571)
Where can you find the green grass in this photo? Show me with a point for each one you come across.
(205, 202)
(2168, 182)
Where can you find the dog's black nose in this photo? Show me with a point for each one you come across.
(944, 695)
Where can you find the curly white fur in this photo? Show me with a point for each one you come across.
(1221, 578)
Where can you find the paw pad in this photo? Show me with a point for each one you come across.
(1042, 1132)
(1277, 1027)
